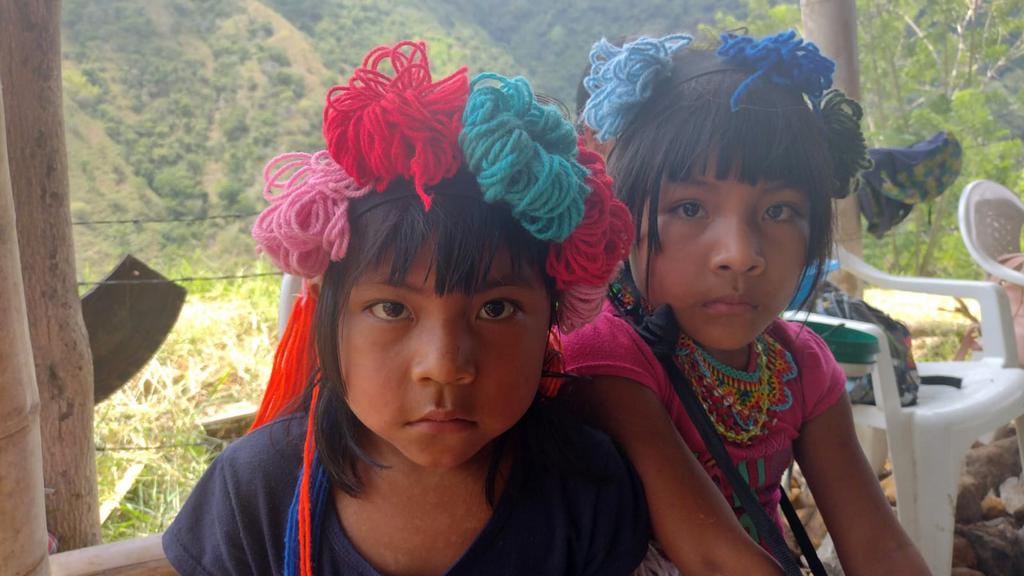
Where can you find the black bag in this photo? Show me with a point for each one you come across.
(832, 301)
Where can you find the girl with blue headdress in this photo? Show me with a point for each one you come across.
(728, 160)
(447, 232)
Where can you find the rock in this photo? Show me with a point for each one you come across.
(1007, 431)
(992, 506)
(965, 572)
(998, 545)
(889, 487)
(970, 493)
(813, 524)
(963, 554)
(985, 468)
(1011, 491)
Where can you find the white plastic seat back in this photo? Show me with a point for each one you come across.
(990, 219)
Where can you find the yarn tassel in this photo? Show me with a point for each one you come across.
(307, 509)
(293, 361)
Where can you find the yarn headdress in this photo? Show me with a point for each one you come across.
(393, 121)
(622, 79)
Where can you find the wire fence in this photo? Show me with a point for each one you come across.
(170, 220)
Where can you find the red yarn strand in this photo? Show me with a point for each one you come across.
(380, 127)
(293, 362)
(305, 514)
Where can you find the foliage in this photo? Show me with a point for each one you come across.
(217, 354)
(928, 66)
(943, 65)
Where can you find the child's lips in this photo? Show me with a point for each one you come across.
(730, 306)
(442, 420)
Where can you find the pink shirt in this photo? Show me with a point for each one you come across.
(610, 347)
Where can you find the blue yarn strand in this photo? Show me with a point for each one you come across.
(784, 59)
(320, 488)
(291, 535)
(622, 79)
(523, 154)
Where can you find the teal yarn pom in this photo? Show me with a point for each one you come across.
(523, 154)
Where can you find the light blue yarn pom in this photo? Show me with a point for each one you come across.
(523, 154)
(783, 59)
(621, 79)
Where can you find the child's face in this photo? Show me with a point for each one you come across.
(730, 259)
(436, 378)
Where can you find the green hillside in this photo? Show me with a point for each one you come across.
(173, 106)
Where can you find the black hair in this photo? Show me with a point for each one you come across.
(687, 122)
(390, 228)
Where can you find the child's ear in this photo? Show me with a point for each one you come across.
(592, 142)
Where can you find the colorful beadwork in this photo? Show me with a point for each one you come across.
(741, 404)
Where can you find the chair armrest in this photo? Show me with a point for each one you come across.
(997, 336)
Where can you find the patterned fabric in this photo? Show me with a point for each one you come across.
(741, 403)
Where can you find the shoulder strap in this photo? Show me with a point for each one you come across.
(661, 333)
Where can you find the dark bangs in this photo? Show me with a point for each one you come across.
(688, 123)
(464, 236)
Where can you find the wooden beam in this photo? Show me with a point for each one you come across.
(23, 537)
(30, 66)
(138, 557)
(832, 25)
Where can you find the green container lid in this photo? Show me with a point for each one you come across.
(849, 346)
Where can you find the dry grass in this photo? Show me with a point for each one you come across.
(218, 353)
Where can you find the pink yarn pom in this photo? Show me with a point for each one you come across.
(306, 225)
(579, 305)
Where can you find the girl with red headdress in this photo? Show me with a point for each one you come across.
(447, 233)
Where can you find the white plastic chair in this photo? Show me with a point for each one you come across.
(291, 286)
(928, 441)
(990, 218)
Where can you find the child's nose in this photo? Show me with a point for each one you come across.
(738, 249)
(444, 355)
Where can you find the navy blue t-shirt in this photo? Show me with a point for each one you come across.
(557, 523)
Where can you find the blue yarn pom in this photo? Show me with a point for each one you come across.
(784, 59)
(523, 154)
(621, 79)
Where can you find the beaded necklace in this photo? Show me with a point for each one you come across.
(741, 404)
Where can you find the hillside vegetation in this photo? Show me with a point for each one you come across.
(173, 106)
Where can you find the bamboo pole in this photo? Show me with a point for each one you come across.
(30, 66)
(138, 557)
(832, 25)
(23, 540)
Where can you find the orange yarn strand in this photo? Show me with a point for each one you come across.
(293, 362)
(305, 515)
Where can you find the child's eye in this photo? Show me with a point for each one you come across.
(496, 310)
(690, 209)
(781, 212)
(389, 311)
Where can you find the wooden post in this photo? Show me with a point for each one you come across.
(832, 25)
(22, 513)
(30, 67)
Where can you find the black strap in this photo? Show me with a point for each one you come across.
(661, 332)
(806, 546)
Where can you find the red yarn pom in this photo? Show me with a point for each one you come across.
(592, 253)
(380, 127)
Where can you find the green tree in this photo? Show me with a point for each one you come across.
(929, 66)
